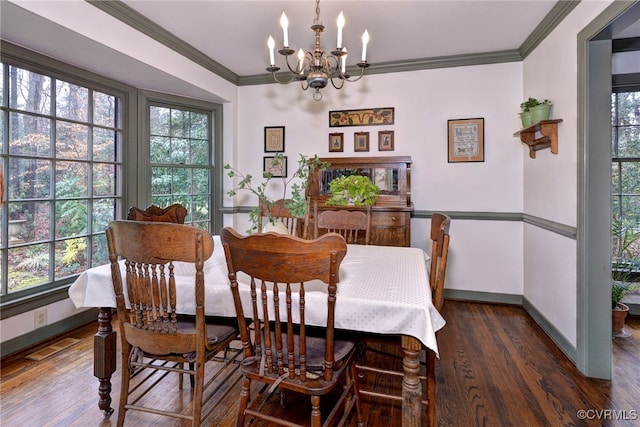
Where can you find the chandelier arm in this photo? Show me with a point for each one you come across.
(352, 79)
(294, 71)
(332, 65)
(334, 84)
(283, 82)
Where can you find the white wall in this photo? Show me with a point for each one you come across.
(24, 323)
(550, 181)
(484, 255)
(625, 62)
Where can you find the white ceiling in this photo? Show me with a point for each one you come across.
(234, 33)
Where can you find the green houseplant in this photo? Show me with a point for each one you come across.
(353, 190)
(619, 310)
(534, 110)
(625, 271)
(296, 202)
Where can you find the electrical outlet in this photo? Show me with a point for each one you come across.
(40, 318)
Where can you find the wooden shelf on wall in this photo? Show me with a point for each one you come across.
(548, 136)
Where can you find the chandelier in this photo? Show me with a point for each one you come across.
(314, 69)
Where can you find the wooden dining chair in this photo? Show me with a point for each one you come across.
(151, 329)
(280, 348)
(296, 226)
(354, 226)
(175, 213)
(439, 235)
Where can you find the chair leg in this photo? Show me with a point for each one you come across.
(431, 388)
(199, 389)
(244, 401)
(124, 383)
(316, 421)
(356, 392)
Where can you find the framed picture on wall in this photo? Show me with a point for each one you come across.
(336, 142)
(274, 139)
(466, 140)
(385, 140)
(276, 166)
(361, 141)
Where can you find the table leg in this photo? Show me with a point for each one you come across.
(411, 387)
(104, 358)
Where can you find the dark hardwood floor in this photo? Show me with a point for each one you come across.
(497, 368)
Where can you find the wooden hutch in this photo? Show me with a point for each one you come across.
(391, 215)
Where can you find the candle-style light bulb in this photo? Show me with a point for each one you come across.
(344, 61)
(284, 23)
(365, 40)
(271, 45)
(340, 23)
(300, 59)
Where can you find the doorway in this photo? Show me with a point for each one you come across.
(594, 184)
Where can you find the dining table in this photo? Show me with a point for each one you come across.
(382, 290)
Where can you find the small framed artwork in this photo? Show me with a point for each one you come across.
(361, 141)
(466, 140)
(365, 117)
(276, 166)
(385, 140)
(274, 139)
(336, 142)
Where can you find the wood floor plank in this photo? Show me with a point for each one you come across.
(497, 368)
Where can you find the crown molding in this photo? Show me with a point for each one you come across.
(557, 13)
(408, 65)
(129, 16)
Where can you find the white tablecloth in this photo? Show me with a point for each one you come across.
(382, 289)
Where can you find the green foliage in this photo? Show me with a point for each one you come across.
(75, 251)
(356, 189)
(37, 260)
(24, 279)
(296, 202)
(625, 260)
(619, 289)
(624, 240)
(532, 102)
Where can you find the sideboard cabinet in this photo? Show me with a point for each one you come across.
(391, 215)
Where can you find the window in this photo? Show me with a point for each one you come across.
(182, 145)
(625, 175)
(60, 145)
(65, 139)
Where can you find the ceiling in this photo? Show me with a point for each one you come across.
(234, 33)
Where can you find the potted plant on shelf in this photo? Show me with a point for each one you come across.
(296, 202)
(525, 114)
(625, 273)
(534, 111)
(352, 190)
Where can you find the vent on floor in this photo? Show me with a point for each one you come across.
(52, 349)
